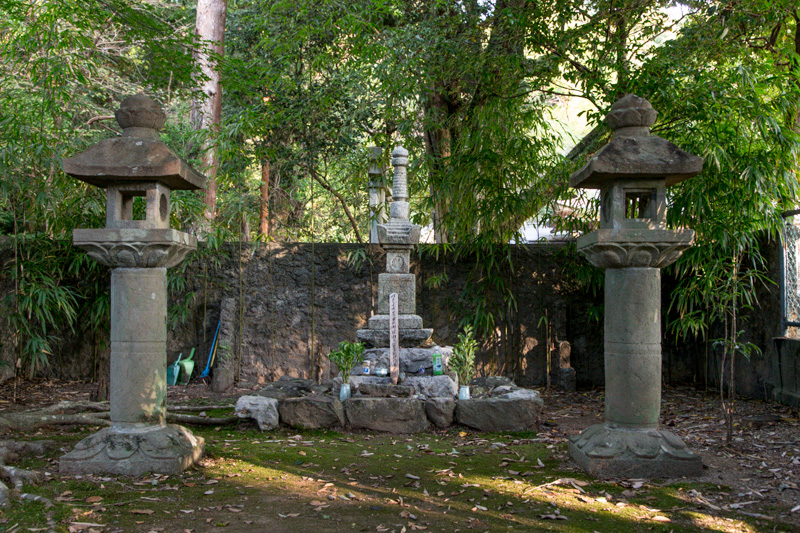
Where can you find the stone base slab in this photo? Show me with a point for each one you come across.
(403, 322)
(133, 451)
(607, 452)
(392, 415)
(411, 359)
(409, 338)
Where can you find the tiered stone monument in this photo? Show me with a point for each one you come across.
(139, 253)
(633, 244)
(398, 237)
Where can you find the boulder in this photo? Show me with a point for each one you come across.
(491, 382)
(312, 412)
(440, 411)
(263, 410)
(289, 387)
(222, 378)
(433, 386)
(516, 411)
(411, 359)
(385, 390)
(392, 415)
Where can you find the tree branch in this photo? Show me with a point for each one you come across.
(327, 186)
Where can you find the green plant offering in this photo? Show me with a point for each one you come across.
(347, 356)
(462, 362)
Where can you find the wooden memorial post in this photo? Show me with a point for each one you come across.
(394, 339)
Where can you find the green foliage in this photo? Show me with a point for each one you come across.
(346, 357)
(63, 64)
(462, 361)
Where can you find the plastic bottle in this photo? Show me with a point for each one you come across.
(437, 364)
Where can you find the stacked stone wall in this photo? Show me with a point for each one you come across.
(276, 329)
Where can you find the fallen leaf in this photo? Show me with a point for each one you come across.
(94, 499)
(80, 526)
(412, 476)
(142, 511)
(552, 517)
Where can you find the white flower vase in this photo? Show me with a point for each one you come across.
(344, 392)
(463, 392)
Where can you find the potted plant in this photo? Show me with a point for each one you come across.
(462, 362)
(346, 357)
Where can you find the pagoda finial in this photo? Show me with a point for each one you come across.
(139, 113)
(631, 116)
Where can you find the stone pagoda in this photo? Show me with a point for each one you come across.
(632, 244)
(398, 237)
(139, 252)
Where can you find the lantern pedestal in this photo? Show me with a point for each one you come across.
(133, 450)
(608, 452)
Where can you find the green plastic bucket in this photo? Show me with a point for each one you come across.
(187, 367)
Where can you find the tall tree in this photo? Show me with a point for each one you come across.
(207, 106)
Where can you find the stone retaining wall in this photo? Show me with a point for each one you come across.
(277, 328)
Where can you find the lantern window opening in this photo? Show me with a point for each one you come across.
(639, 204)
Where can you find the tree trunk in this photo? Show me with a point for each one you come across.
(207, 110)
(438, 145)
(263, 224)
(796, 16)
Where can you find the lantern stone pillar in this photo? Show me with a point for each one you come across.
(633, 244)
(139, 252)
(398, 237)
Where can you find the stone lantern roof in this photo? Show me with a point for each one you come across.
(137, 155)
(634, 153)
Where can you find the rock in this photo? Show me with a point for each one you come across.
(289, 387)
(356, 382)
(263, 410)
(386, 390)
(411, 359)
(223, 378)
(503, 389)
(392, 415)
(407, 337)
(312, 412)
(567, 379)
(440, 411)
(433, 386)
(491, 382)
(517, 411)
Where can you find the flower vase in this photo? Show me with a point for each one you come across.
(344, 392)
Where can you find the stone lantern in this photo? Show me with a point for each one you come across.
(139, 252)
(633, 244)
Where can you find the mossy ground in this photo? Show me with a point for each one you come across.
(328, 481)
